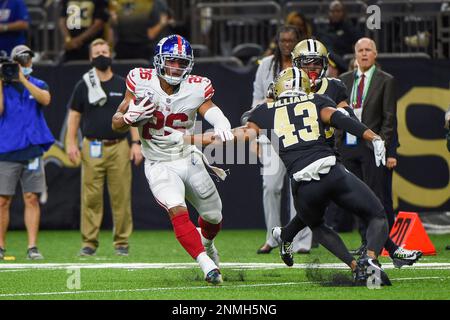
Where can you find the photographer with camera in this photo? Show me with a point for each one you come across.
(24, 137)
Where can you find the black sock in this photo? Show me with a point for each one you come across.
(390, 246)
(377, 233)
(291, 229)
(333, 243)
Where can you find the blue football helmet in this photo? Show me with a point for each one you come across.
(173, 59)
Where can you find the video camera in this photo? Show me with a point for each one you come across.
(9, 70)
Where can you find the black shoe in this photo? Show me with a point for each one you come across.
(34, 254)
(359, 251)
(2, 253)
(122, 251)
(264, 249)
(372, 270)
(214, 277)
(359, 275)
(447, 247)
(87, 252)
(286, 253)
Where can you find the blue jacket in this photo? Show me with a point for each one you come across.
(22, 123)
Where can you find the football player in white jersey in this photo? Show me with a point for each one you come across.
(172, 98)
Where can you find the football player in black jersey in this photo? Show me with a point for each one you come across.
(295, 123)
(311, 56)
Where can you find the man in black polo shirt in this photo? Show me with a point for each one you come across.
(104, 153)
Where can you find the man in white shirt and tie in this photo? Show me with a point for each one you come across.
(372, 95)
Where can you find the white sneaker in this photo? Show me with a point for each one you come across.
(404, 257)
(210, 248)
(276, 234)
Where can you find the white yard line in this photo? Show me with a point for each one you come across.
(4, 267)
(205, 287)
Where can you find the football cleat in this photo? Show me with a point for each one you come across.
(285, 247)
(371, 268)
(404, 257)
(286, 253)
(276, 234)
(214, 277)
(210, 248)
(360, 275)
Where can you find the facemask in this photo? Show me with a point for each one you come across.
(101, 62)
(27, 71)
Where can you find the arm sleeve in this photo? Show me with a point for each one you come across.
(216, 118)
(341, 121)
(351, 113)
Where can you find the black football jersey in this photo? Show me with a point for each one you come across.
(294, 128)
(334, 88)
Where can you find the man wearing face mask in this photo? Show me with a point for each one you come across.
(24, 137)
(105, 154)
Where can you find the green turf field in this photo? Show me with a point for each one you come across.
(158, 268)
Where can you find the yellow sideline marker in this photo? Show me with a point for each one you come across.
(9, 258)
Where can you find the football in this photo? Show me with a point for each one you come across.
(137, 101)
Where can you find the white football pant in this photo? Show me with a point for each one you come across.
(171, 182)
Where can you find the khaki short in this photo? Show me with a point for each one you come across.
(32, 180)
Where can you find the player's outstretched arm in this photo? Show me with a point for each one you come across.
(338, 119)
(212, 113)
(244, 133)
(118, 123)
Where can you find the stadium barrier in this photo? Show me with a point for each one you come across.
(421, 180)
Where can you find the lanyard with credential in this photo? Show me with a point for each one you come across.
(354, 93)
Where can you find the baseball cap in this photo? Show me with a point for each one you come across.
(21, 49)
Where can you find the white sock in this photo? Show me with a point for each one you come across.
(205, 262)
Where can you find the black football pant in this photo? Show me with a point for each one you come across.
(341, 186)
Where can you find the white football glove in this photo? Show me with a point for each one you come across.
(224, 134)
(174, 138)
(379, 150)
(138, 112)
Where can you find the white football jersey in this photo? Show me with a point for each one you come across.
(178, 110)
